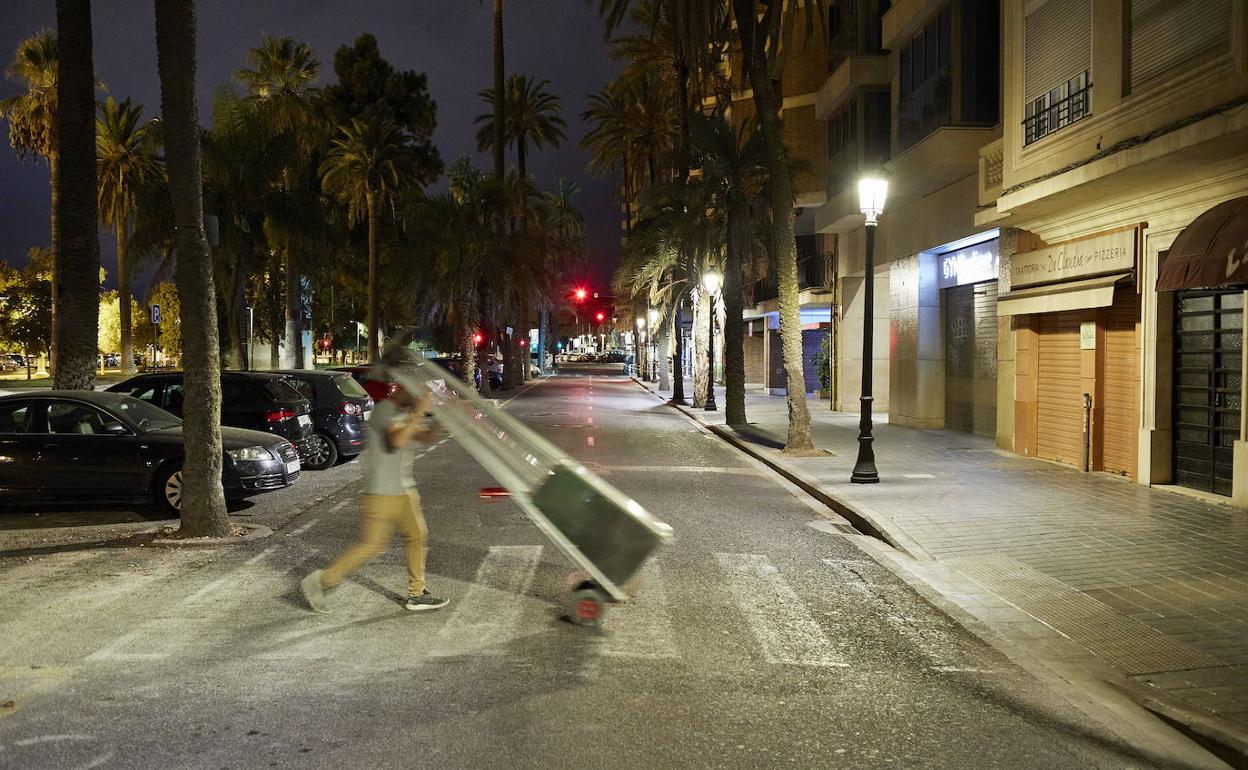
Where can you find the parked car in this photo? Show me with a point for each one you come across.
(254, 400)
(97, 446)
(11, 362)
(378, 390)
(340, 410)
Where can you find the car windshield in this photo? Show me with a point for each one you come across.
(349, 387)
(145, 416)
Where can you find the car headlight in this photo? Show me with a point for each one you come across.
(249, 453)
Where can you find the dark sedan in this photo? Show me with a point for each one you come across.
(340, 409)
(252, 400)
(85, 446)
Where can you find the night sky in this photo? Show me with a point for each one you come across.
(450, 40)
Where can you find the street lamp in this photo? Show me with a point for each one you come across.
(871, 194)
(711, 281)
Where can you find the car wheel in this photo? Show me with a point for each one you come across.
(321, 452)
(168, 490)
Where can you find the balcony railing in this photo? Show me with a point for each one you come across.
(1045, 117)
(813, 272)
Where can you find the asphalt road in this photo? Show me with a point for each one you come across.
(754, 640)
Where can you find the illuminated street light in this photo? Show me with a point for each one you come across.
(872, 191)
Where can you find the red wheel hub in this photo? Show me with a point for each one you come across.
(587, 609)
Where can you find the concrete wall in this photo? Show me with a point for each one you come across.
(917, 374)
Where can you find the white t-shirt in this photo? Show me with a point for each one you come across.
(387, 471)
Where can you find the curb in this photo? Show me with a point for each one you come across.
(252, 532)
(1220, 737)
(863, 518)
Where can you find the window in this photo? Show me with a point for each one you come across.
(877, 127)
(1057, 63)
(924, 104)
(305, 388)
(348, 387)
(175, 396)
(232, 392)
(146, 393)
(981, 62)
(1166, 35)
(15, 417)
(71, 418)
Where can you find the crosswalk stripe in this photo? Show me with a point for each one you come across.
(642, 628)
(776, 615)
(486, 617)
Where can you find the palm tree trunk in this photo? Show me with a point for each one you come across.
(467, 347)
(734, 324)
(543, 341)
(203, 502)
(678, 356)
(487, 336)
(54, 178)
(77, 260)
(781, 186)
(701, 336)
(665, 343)
(374, 279)
(293, 309)
(123, 293)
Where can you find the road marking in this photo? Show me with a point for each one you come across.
(775, 613)
(642, 628)
(339, 506)
(304, 528)
(917, 476)
(114, 649)
(215, 584)
(746, 471)
(485, 618)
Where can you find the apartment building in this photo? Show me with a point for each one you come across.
(1119, 186)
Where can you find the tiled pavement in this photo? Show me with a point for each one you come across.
(1153, 583)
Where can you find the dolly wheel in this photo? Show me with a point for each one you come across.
(586, 607)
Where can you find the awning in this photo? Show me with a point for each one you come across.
(1210, 252)
(1071, 295)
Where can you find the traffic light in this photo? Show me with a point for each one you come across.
(600, 317)
(580, 295)
(476, 338)
(523, 342)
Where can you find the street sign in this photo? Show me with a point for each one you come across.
(155, 315)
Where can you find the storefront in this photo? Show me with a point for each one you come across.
(1207, 269)
(968, 297)
(1075, 311)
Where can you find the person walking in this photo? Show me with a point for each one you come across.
(390, 500)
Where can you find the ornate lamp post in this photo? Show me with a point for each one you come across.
(711, 281)
(871, 194)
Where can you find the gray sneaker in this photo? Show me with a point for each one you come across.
(314, 592)
(426, 601)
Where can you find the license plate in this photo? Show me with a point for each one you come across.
(305, 420)
(292, 467)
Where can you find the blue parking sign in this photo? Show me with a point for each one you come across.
(155, 315)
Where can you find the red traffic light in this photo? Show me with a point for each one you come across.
(523, 342)
(476, 338)
(580, 295)
(601, 316)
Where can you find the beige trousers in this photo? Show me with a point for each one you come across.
(379, 515)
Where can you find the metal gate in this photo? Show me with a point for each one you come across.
(971, 358)
(1059, 388)
(1208, 342)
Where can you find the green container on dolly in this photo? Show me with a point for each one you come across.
(605, 533)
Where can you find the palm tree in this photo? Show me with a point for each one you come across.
(32, 121)
(78, 246)
(279, 85)
(732, 167)
(765, 38)
(532, 118)
(203, 502)
(126, 163)
(367, 167)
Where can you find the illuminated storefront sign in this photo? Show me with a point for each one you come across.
(973, 264)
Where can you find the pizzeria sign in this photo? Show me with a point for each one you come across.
(1110, 253)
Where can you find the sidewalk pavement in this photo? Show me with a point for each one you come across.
(1152, 583)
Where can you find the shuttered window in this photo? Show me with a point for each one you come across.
(1120, 405)
(1057, 65)
(1167, 34)
(1057, 44)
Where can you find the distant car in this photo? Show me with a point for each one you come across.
(340, 411)
(254, 400)
(10, 362)
(455, 365)
(91, 446)
(379, 390)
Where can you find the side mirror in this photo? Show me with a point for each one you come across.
(114, 429)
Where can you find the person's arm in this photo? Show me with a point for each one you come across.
(414, 429)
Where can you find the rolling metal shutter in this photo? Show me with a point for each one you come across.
(1208, 345)
(1167, 33)
(1059, 396)
(971, 358)
(1057, 44)
(1120, 407)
